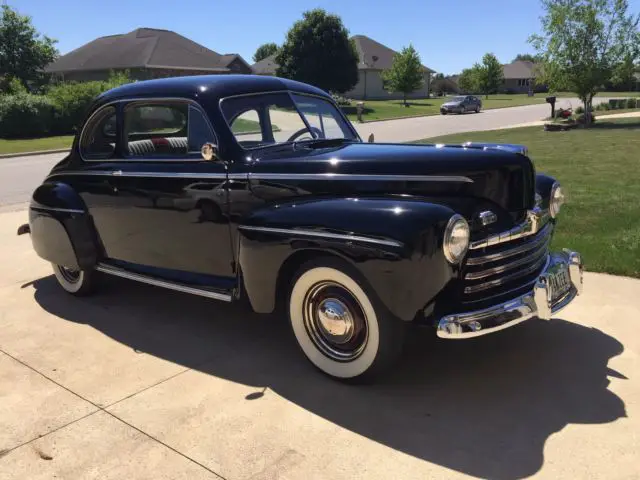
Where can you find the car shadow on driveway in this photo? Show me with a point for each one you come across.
(484, 407)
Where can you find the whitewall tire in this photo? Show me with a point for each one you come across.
(76, 282)
(337, 324)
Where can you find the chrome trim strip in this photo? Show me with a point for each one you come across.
(542, 236)
(118, 272)
(534, 256)
(312, 233)
(272, 176)
(499, 281)
(532, 304)
(536, 219)
(56, 209)
(359, 177)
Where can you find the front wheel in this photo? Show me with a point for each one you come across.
(75, 282)
(338, 323)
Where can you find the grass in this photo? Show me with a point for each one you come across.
(388, 109)
(599, 169)
(600, 94)
(35, 144)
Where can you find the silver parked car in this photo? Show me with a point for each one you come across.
(461, 104)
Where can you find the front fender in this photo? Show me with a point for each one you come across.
(62, 230)
(394, 242)
(544, 183)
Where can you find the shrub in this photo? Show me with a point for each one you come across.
(72, 100)
(340, 100)
(12, 86)
(579, 110)
(632, 103)
(25, 115)
(603, 106)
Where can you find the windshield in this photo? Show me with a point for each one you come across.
(279, 118)
(457, 99)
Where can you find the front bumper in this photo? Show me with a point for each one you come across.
(533, 304)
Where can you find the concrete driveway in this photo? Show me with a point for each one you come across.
(138, 382)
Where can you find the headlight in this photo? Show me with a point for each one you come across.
(456, 239)
(556, 200)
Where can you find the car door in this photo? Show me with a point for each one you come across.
(159, 218)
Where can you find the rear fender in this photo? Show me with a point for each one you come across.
(395, 243)
(62, 230)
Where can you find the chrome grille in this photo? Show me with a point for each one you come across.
(508, 267)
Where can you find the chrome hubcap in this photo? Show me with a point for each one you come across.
(335, 321)
(69, 274)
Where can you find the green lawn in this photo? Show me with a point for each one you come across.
(599, 169)
(35, 144)
(388, 109)
(600, 94)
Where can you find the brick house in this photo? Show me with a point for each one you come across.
(146, 53)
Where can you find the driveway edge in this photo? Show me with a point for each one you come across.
(38, 152)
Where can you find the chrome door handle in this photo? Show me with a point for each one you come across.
(116, 173)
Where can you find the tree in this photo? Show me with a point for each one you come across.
(406, 74)
(23, 51)
(526, 57)
(264, 51)
(624, 73)
(468, 80)
(318, 51)
(489, 74)
(581, 41)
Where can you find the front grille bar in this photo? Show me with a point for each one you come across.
(534, 243)
(507, 278)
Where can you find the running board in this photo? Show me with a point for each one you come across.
(119, 272)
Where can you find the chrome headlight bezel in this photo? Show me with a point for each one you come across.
(556, 200)
(455, 253)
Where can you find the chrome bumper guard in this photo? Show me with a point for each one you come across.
(536, 303)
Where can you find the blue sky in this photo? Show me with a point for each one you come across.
(449, 35)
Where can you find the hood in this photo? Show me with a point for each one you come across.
(501, 175)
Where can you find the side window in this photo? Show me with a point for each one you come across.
(246, 123)
(98, 140)
(156, 129)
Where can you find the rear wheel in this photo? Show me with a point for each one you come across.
(339, 324)
(477, 108)
(76, 282)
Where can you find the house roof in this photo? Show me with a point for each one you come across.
(266, 66)
(519, 69)
(374, 55)
(143, 48)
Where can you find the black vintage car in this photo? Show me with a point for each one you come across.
(259, 189)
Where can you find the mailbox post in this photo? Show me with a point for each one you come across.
(552, 101)
(359, 110)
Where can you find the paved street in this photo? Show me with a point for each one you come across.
(138, 382)
(20, 175)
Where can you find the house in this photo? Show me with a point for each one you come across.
(445, 85)
(146, 53)
(518, 76)
(266, 66)
(374, 58)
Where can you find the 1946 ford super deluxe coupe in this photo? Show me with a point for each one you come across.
(257, 188)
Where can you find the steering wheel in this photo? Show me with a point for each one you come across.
(315, 131)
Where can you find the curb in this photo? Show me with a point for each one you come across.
(28, 154)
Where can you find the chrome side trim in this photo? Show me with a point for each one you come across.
(542, 237)
(359, 177)
(273, 176)
(56, 209)
(536, 219)
(507, 314)
(315, 234)
(118, 272)
(120, 173)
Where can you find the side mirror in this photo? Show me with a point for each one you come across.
(209, 151)
(371, 138)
